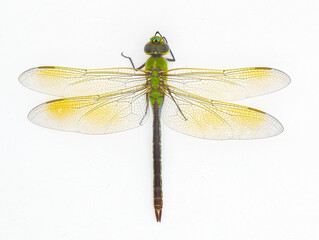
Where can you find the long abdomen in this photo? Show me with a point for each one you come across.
(157, 184)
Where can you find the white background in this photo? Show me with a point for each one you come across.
(61, 185)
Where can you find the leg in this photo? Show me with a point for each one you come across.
(171, 59)
(157, 32)
(164, 38)
(179, 109)
(146, 110)
(140, 67)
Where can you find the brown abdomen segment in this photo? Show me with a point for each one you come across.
(157, 182)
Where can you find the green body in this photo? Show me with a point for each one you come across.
(156, 65)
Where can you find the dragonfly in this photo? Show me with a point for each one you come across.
(188, 100)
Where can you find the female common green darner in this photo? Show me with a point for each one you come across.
(115, 99)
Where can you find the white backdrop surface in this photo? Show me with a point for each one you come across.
(62, 185)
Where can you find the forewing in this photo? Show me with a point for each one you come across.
(204, 118)
(96, 114)
(234, 84)
(71, 82)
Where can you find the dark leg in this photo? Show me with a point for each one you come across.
(146, 110)
(179, 109)
(171, 59)
(140, 67)
(157, 32)
(164, 38)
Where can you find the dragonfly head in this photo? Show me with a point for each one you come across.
(156, 46)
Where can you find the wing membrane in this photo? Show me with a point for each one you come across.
(71, 82)
(97, 114)
(234, 84)
(204, 118)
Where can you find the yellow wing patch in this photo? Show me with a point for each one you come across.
(94, 114)
(71, 82)
(204, 118)
(233, 84)
(62, 109)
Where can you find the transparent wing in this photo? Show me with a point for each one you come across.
(97, 114)
(204, 118)
(71, 82)
(234, 84)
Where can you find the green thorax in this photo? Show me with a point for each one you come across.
(156, 65)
